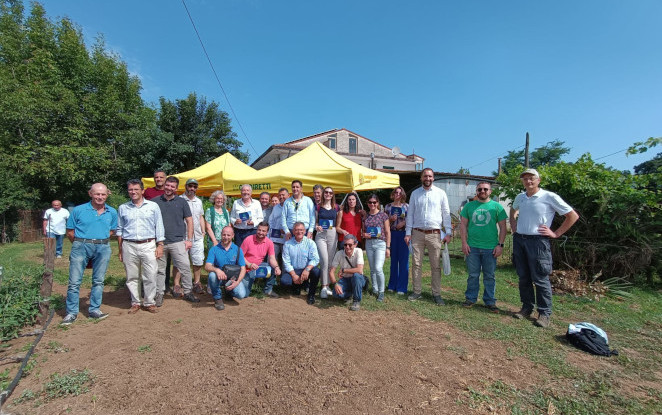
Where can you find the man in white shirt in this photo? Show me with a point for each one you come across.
(55, 225)
(140, 236)
(298, 208)
(276, 233)
(530, 220)
(197, 251)
(428, 209)
(245, 215)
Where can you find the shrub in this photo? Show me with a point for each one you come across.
(19, 300)
(619, 230)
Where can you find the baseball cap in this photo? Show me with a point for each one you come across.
(192, 181)
(534, 172)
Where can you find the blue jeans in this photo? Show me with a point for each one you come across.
(59, 239)
(268, 282)
(399, 278)
(313, 280)
(81, 254)
(532, 257)
(376, 250)
(240, 291)
(351, 286)
(477, 260)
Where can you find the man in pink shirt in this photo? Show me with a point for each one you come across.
(258, 249)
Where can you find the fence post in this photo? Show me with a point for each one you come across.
(47, 278)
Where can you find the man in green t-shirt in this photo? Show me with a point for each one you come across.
(483, 230)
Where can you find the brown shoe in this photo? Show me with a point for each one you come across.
(134, 309)
(197, 288)
(151, 309)
(523, 314)
(177, 291)
(542, 321)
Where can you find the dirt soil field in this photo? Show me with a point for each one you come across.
(259, 356)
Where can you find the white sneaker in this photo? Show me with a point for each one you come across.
(328, 290)
(323, 293)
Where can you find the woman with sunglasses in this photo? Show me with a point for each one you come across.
(326, 237)
(349, 219)
(377, 234)
(397, 214)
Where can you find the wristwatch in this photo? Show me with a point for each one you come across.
(501, 245)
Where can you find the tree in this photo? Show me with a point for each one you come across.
(619, 231)
(651, 166)
(549, 154)
(200, 131)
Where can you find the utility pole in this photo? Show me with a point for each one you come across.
(526, 151)
(499, 168)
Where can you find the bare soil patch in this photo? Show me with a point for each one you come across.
(267, 356)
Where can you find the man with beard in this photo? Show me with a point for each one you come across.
(483, 231)
(178, 226)
(197, 251)
(428, 209)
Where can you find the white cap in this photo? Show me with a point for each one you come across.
(534, 172)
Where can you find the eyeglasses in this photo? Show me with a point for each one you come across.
(483, 189)
(328, 192)
(349, 245)
(372, 202)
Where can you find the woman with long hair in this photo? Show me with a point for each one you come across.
(326, 238)
(377, 234)
(349, 218)
(397, 213)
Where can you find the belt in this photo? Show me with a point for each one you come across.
(144, 241)
(92, 241)
(531, 236)
(428, 231)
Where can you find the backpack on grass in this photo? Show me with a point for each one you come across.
(590, 338)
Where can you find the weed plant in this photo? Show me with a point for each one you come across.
(19, 299)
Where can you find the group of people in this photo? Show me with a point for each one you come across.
(303, 242)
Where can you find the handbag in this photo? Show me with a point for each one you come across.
(446, 260)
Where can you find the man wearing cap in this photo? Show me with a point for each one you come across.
(530, 219)
(89, 227)
(197, 251)
(428, 209)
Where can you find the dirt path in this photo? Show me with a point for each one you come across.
(267, 356)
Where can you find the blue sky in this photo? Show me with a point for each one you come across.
(458, 83)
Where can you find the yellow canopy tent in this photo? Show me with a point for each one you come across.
(210, 175)
(314, 164)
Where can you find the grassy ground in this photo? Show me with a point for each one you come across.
(576, 383)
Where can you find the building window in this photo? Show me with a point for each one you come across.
(352, 146)
(388, 167)
(419, 166)
(332, 143)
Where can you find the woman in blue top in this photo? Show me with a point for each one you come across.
(326, 238)
(397, 213)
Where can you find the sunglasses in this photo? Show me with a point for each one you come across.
(349, 245)
(483, 189)
(328, 192)
(372, 202)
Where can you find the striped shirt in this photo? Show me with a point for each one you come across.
(302, 211)
(138, 223)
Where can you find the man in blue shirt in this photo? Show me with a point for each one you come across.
(300, 259)
(298, 208)
(88, 228)
(226, 253)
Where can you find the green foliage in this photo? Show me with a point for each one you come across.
(549, 154)
(73, 383)
(145, 348)
(4, 379)
(71, 116)
(19, 299)
(619, 229)
(643, 146)
(651, 166)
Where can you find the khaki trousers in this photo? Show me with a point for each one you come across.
(140, 260)
(419, 241)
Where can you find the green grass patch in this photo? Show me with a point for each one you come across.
(19, 299)
(145, 348)
(75, 382)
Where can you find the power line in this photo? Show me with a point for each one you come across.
(608, 155)
(495, 157)
(217, 78)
